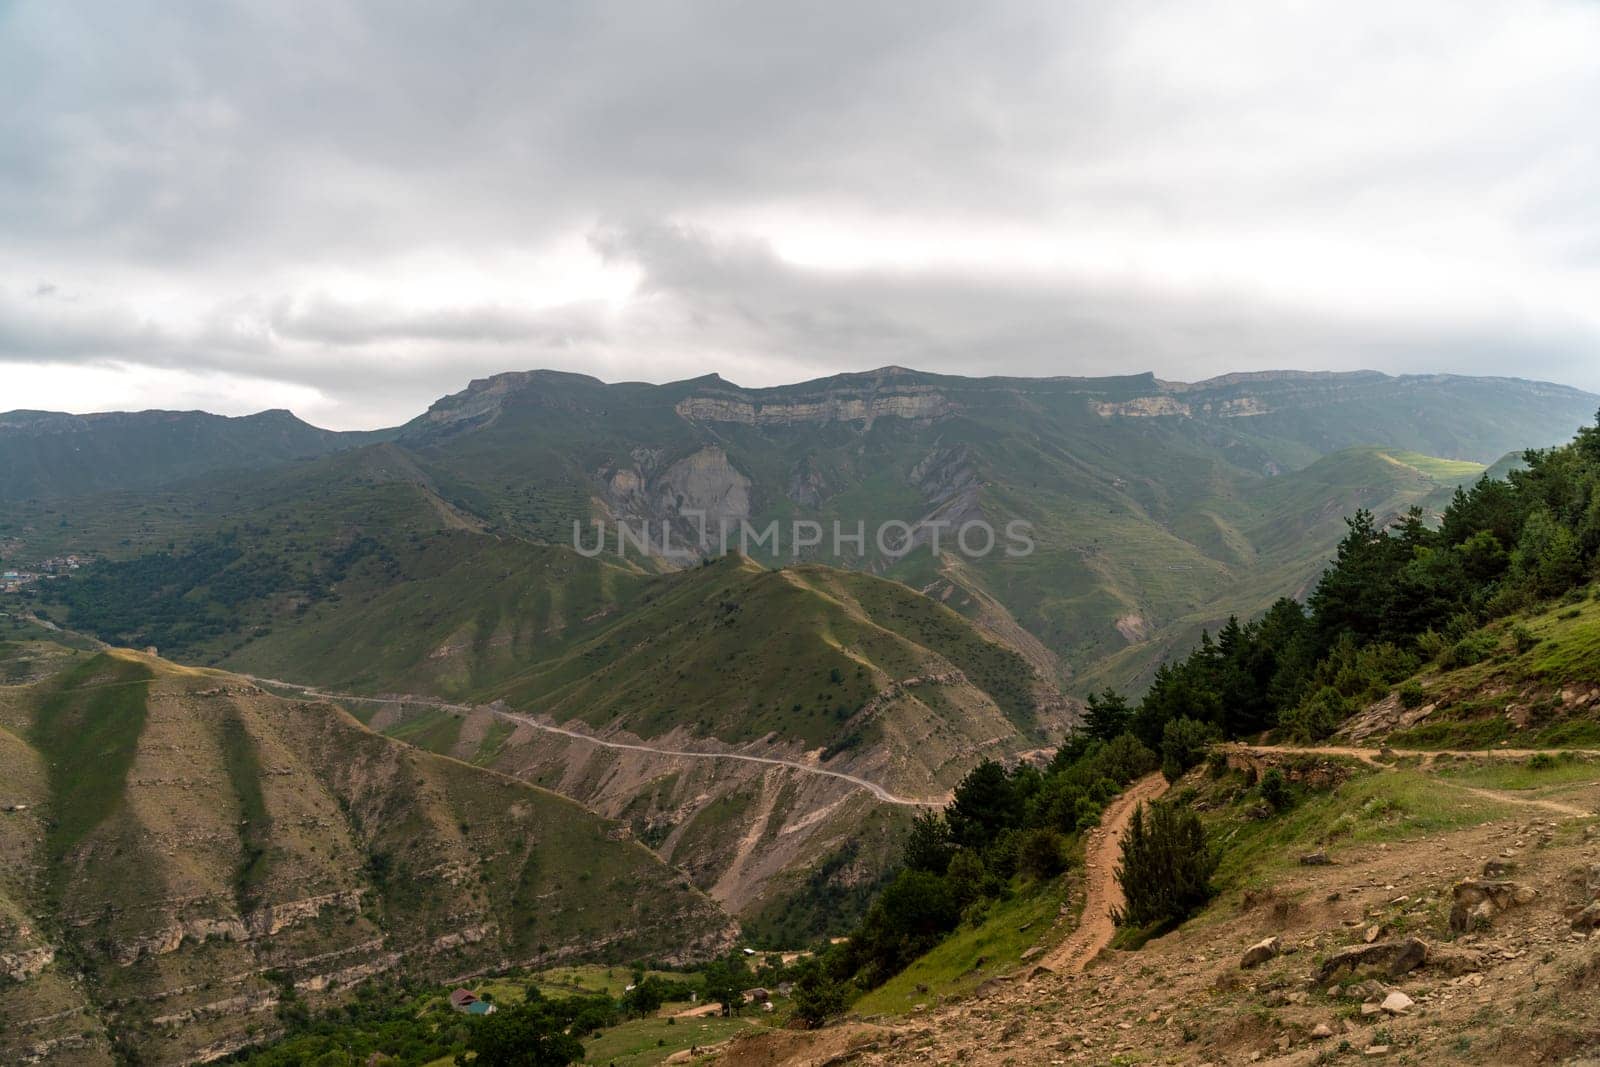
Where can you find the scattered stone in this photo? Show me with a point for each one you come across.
(1478, 900)
(1498, 868)
(1397, 1003)
(1260, 953)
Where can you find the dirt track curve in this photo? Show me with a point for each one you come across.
(1103, 896)
(874, 788)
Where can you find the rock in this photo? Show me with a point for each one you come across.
(1498, 868)
(1398, 957)
(1587, 919)
(1321, 1032)
(1477, 901)
(1372, 933)
(1397, 1003)
(1260, 953)
(1031, 953)
(1375, 1050)
(1455, 962)
(1315, 859)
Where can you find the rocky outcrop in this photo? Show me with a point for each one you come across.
(1477, 901)
(263, 922)
(1395, 957)
(919, 403)
(21, 966)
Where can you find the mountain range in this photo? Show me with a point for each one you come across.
(765, 725)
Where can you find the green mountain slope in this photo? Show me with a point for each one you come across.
(183, 852)
(50, 455)
(812, 665)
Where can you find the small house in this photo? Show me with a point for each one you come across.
(467, 1002)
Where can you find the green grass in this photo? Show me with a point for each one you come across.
(1370, 808)
(1535, 773)
(641, 1042)
(431, 728)
(88, 730)
(1443, 470)
(972, 954)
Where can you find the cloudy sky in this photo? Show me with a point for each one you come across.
(351, 209)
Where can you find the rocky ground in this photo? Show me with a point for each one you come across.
(1472, 945)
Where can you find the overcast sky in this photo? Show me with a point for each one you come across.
(350, 210)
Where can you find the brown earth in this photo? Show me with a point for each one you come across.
(1103, 895)
(1520, 989)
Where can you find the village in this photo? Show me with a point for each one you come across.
(14, 578)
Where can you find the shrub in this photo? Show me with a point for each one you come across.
(1166, 866)
(1472, 649)
(1041, 854)
(1184, 743)
(1318, 716)
(1275, 789)
(817, 996)
(1523, 638)
(1412, 695)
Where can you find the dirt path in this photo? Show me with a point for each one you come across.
(1369, 757)
(1505, 796)
(874, 788)
(1103, 896)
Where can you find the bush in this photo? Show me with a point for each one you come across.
(1275, 789)
(1184, 743)
(1166, 866)
(1470, 650)
(1041, 854)
(1523, 638)
(817, 996)
(1318, 716)
(1412, 695)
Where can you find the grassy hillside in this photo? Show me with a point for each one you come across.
(1157, 507)
(810, 664)
(1528, 681)
(50, 455)
(187, 857)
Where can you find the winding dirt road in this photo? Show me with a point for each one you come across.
(1103, 896)
(878, 791)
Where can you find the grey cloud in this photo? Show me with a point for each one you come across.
(229, 157)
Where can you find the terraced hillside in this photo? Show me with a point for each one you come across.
(182, 855)
(810, 665)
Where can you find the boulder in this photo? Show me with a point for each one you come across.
(1397, 957)
(1260, 953)
(1477, 900)
(1397, 1003)
(1588, 919)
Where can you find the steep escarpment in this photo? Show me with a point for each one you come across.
(183, 852)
